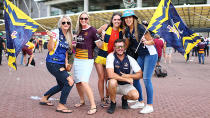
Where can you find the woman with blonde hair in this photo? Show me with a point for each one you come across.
(83, 62)
(59, 44)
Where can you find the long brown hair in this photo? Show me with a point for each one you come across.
(135, 27)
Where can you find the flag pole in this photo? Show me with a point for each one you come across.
(42, 27)
(140, 41)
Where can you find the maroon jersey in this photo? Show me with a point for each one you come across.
(86, 43)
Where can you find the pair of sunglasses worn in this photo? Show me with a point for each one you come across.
(118, 47)
(83, 18)
(68, 23)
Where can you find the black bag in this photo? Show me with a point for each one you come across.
(32, 62)
(160, 72)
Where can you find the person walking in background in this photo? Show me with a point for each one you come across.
(28, 48)
(159, 44)
(109, 33)
(201, 47)
(60, 41)
(119, 66)
(2, 47)
(40, 44)
(83, 62)
(195, 50)
(146, 57)
(206, 49)
(168, 55)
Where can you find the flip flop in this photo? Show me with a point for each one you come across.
(92, 111)
(46, 103)
(63, 111)
(79, 105)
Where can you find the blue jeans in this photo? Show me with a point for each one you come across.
(201, 55)
(62, 82)
(21, 59)
(147, 64)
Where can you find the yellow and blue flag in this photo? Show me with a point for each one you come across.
(19, 29)
(167, 23)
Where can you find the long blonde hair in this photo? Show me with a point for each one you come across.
(69, 34)
(79, 26)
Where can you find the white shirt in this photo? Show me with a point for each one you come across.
(110, 62)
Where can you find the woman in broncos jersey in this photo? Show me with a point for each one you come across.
(59, 44)
(83, 61)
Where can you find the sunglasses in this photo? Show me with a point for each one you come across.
(68, 23)
(83, 18)
(118, 47)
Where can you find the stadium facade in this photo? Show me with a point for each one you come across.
(49, 8)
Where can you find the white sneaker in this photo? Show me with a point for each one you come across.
(29, 65)
(147, 109)
(137, 105)
(131, 101)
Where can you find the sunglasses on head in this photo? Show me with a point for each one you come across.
(68, 23)
(83, 18)
(118, 47)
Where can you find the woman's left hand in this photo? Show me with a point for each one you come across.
(70, 80)
(68, 67)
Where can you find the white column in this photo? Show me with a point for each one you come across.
(86, 4)
(48, 10)
(208, 1)
(38, 9)
(62, 11)
(139, 3)
(14, 2)
(29, 8)
(18, 3)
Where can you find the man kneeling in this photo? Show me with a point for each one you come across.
(118, 66)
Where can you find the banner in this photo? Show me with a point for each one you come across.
(19, 29)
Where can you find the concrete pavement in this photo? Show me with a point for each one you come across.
(184, 93)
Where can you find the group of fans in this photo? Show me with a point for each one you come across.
(125, 45)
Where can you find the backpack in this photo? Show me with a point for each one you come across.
(160, 72)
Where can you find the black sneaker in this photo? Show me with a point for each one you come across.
(124, 103)
(111, 108)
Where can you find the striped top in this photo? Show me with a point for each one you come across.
(107, 41)
(86, 43)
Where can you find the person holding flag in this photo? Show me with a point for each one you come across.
(138, 38)
(59, 44)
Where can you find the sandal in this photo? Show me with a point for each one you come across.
(79, 105)
(103, 103)
(92, 111)
(64, 110)
(46, 103)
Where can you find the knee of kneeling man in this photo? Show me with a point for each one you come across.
(112, 82)
(135, 95)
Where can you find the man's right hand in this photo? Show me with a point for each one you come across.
(130, 80)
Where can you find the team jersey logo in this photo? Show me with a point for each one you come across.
(86, 33)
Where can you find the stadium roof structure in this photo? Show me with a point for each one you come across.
(194, 16)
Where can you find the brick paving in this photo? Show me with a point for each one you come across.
(184, 93)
